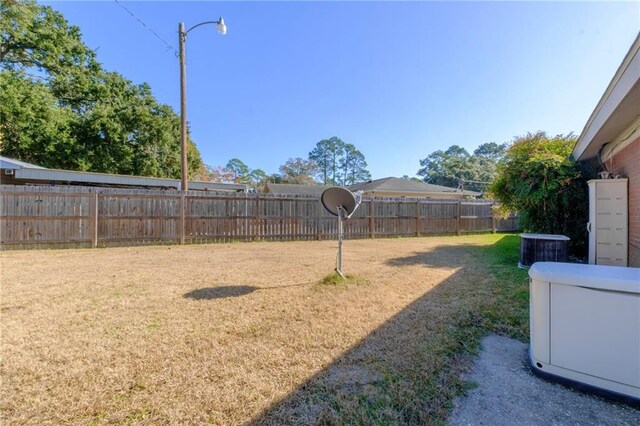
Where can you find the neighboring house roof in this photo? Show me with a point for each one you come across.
(616, 118)
(31, 173)
(394, 184)
(294, 189)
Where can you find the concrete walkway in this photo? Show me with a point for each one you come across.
(509, 394)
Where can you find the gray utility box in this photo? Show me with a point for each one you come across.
(542, 248)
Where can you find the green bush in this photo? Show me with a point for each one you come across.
(539, 179)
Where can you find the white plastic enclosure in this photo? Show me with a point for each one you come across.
(585, 325)
(608, 222)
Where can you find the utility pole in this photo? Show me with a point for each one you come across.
(182, 36)
(182, 40)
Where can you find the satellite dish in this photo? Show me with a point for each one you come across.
(342, 203)
(336, 197)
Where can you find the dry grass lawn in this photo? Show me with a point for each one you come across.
(241, 333)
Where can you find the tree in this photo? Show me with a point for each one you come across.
(338, 163)
(539, 179)
(257, 176)
(240, 170)
(127, 131)
(38, 41)
(60, 109)
(38, 37)
(486, 157)
(236, 171)
(491, 151)
(274, 178)
(299, 171)
(353, 166)
(320, 156)
(241, 173)
(447, 168)
(219, 174)
(455, 167)
(326, 155)
(33, 127)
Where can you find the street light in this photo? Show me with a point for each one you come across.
(182, 38)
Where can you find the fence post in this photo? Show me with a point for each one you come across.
(94, 221)
(255, 233)
(458, 217)
(493, 219)
(182, 218)
(371, 219)
(296, 222)
(228, 222)
(417, 218)
(318, 216)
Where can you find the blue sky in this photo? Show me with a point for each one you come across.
(397, 80)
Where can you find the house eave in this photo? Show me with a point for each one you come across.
(617, 108)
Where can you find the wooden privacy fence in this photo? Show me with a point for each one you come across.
(35, 217)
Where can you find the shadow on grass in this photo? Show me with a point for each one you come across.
(408, 370)
(210, 293)
(225, 291)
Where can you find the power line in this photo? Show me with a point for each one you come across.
(166, 43)
(474, 181)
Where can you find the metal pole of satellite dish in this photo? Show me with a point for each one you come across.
(340, 236)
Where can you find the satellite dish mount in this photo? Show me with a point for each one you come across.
(342, 203)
